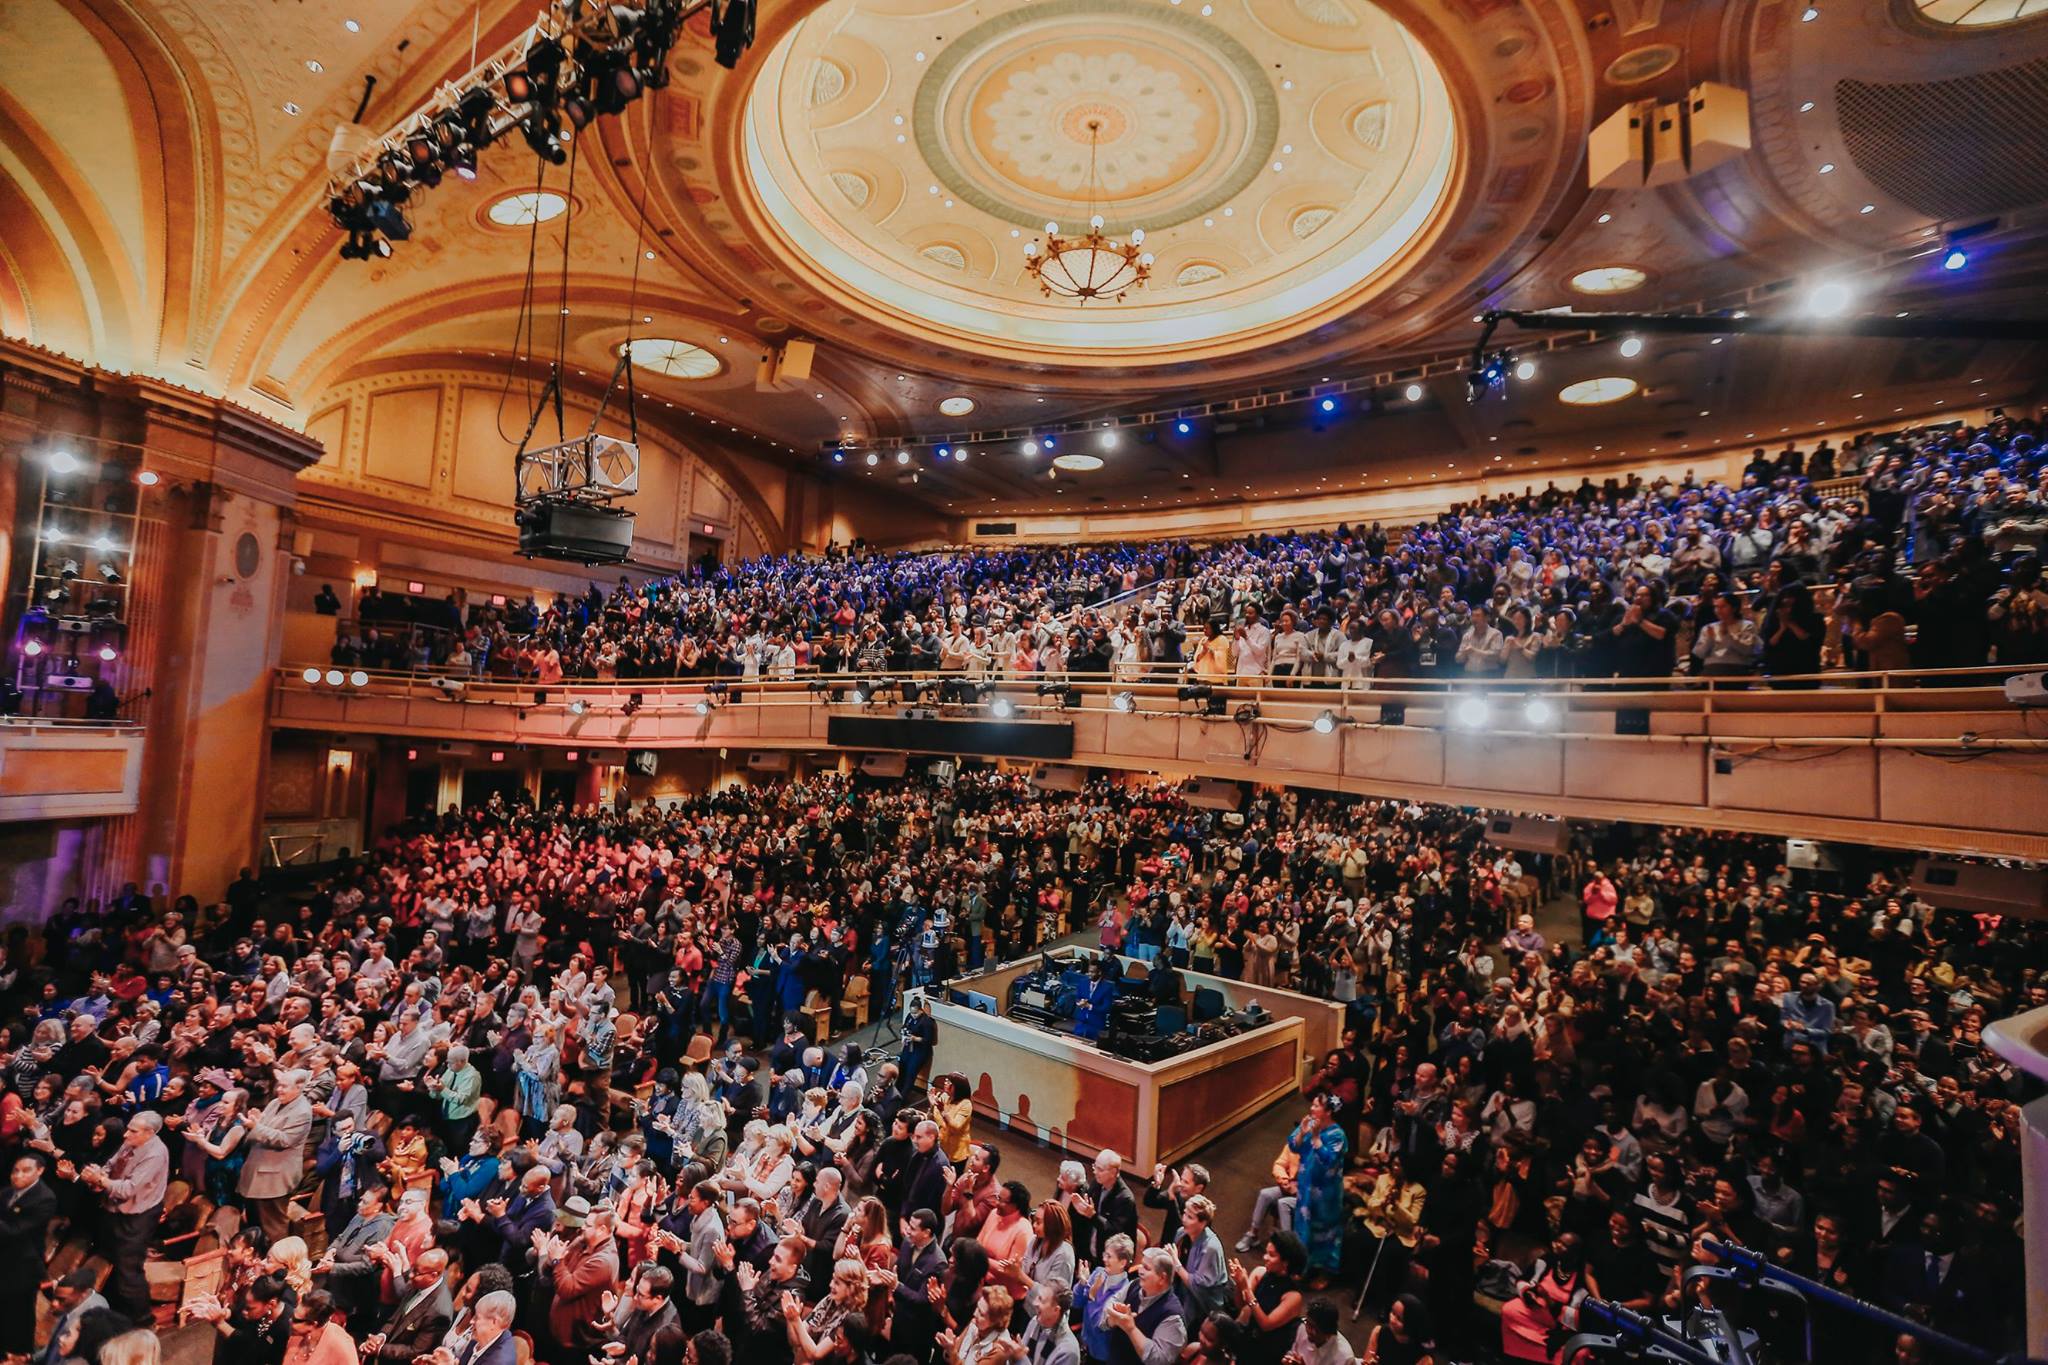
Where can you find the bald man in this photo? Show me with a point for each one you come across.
(422, 1318)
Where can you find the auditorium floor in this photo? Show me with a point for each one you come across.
(1240, 1164)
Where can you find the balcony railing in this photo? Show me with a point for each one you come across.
(1935, 759)
(53, 769)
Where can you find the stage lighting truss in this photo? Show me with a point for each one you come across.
(578, 60)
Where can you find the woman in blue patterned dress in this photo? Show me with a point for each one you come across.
(1319, 1214)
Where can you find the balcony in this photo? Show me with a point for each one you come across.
(60, 770)
(1939, 760)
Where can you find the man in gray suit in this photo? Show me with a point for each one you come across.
(350, 1275)
(277, 1153)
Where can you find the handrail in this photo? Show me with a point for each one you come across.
(73, 723)
(1162, 677)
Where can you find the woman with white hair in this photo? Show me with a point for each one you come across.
(537, 1073)
(768, 1173)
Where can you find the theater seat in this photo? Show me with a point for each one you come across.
(1171, 1019)
(1208, 1003)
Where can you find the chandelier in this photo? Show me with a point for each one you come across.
(1093, 266)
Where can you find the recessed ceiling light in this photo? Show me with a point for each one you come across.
(352, 26)
(1827, 167)
(671, 358)
(1604, 218)
(1076, 463)
(314, 66)
(1631, 347)
(959, 405)
(526, 208)
(1868, 208)
(1608, 279)
(1588, 393)
(1809, 15)
(1806, 108)
(291, 108)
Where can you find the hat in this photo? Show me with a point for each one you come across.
(573, 1212)
(216, 1077)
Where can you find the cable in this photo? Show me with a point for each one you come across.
(562, 317)
(520, 328)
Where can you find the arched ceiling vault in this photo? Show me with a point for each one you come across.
(162, 167)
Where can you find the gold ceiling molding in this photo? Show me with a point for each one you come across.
(1199, 121)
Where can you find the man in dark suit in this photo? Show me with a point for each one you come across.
(1928, 1276)
(919, 1264)
(1107, 1209)
(819, 1222)
(515, 1220)
(927, 1175)
(26, 1209)
(424, 1312)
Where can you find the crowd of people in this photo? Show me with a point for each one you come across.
(520, 1080)
(1933, 561)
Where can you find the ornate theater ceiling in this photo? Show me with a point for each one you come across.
(1285, 159)
(1330, 188)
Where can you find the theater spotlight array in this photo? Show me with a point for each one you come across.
(578, 61)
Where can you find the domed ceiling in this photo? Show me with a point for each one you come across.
(1284, 158)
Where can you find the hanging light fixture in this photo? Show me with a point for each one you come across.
(1093, 266)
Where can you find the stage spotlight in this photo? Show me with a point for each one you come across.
(311, 675)
(355, 679)
(910, 690)
(1525, 370)
(1049, 442)
(578, 707)
(1955, 258)
(1326, 723)
(333, 677)
(1124, 701)
(1031, 447)
(874, 458)
(1328, 405)
(838, 457)
(62, 462)
(1196, 692)
(1246, 714)
(944, 452)
(902, 457)
(1183, 427)
(1413, 393)
(1829, 299)
(1631, 347)
(703, 706)
(1107, 440)
(863, 693)
(1002, 708)
(1539, 711)
(1471, 712)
